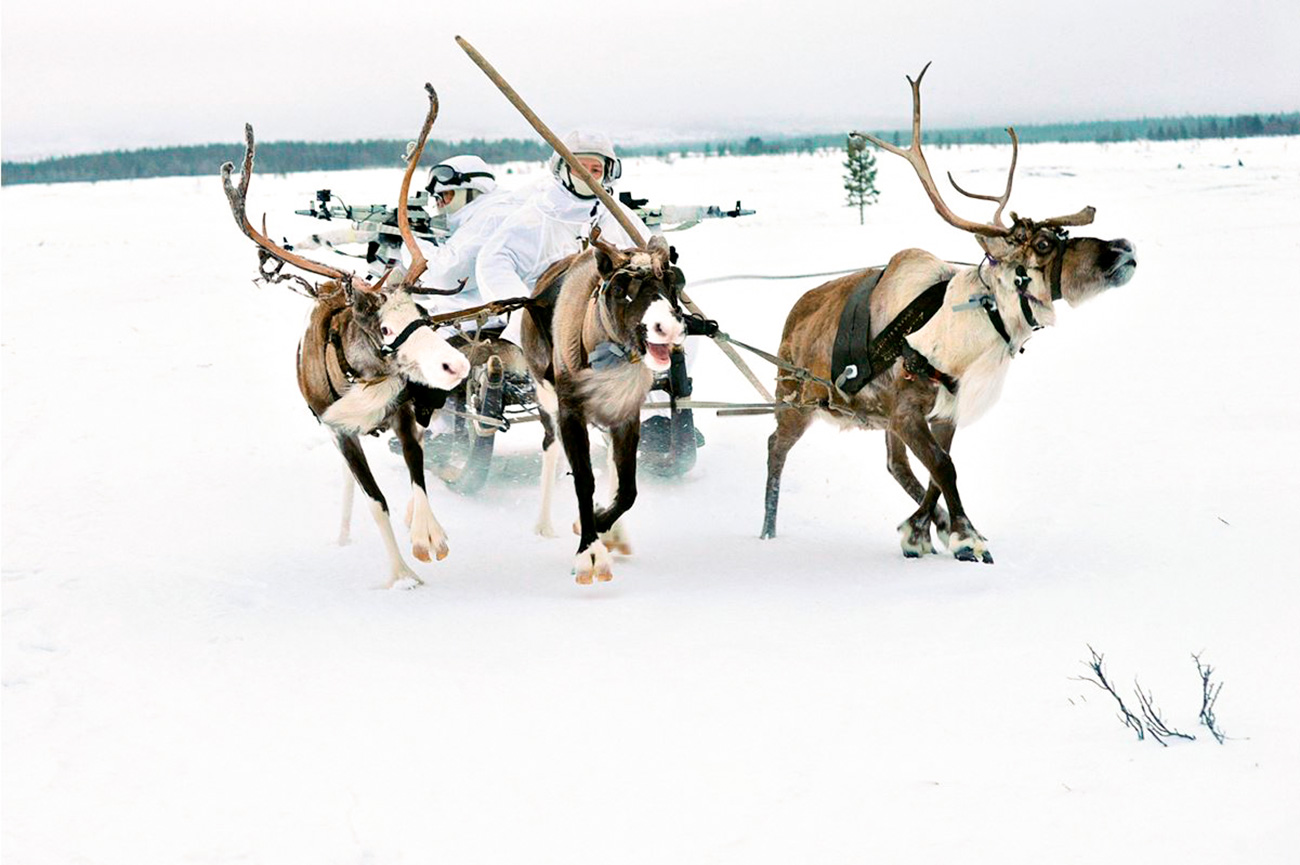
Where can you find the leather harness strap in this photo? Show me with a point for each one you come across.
(854, 360)
(917, 365)
(338, 374)
(850, 367)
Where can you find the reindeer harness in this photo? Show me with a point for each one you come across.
(856, 360)
(340, 376)
(610, 353)
(1022, 281)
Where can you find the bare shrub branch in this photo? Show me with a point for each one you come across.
(1129, 719)
(1209, 695)
(1156, 725)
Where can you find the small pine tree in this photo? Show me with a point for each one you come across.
(860, 181)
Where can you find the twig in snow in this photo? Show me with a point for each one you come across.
(1129, 719)
(1156, 725)
(1209, 694)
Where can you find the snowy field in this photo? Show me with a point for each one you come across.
(194, 673)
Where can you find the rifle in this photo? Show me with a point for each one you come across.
(679, 217)
(374, 225)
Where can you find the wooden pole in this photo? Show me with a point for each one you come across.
(543, 130)
(606, 199)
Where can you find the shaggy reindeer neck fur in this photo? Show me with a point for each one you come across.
(578, 325)
(966, 344)
(341, 375)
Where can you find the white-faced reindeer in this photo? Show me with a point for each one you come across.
(368, 361)
(919, 381)
(602, 324)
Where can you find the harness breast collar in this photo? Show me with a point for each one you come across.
(335, 342)
(610, 353)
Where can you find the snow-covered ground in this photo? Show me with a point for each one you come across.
(194, 672)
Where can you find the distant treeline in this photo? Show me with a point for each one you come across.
(280, 157)
(1157, 129)
(273, 157)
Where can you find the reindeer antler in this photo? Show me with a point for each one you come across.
(1083, 217)
(917, 160)
(418, 262)
(1006, 193)
(238, 207)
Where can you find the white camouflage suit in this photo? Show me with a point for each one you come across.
(551, 224)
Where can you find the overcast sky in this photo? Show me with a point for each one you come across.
(81, 76)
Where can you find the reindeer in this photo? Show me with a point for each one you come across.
(601, 324)
(369, 360)
(927, 375)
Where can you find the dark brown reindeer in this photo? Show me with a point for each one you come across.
(369, 360)
(602, 323)
(918, 377)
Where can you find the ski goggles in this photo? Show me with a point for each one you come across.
(445, 175)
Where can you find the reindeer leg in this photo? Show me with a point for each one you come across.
(427, 534)
(615, 537)
(547, 408)
(350, 447)
(345, 524)
(592, 558)
(916, 534)
(908, 422)
(943, 431)
(623, 445)
(791, 424)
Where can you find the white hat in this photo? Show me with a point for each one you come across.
(587, 143)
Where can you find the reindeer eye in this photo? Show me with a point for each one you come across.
(385, 330)
(1043, 246)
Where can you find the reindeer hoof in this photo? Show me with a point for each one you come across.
(443, 552)
(593, 562)
(421, 552)
(616, 541)
(967, 554)
(406, 579)
(915, 540)
(544, 530)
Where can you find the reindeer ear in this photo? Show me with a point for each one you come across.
(661, 254)
(608, 259)
(996, 247)
(367, 303)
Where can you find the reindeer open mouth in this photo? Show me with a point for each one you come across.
(660, 352)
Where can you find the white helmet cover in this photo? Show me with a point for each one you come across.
(587, 143)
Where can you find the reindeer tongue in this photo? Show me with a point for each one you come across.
(659, 351)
